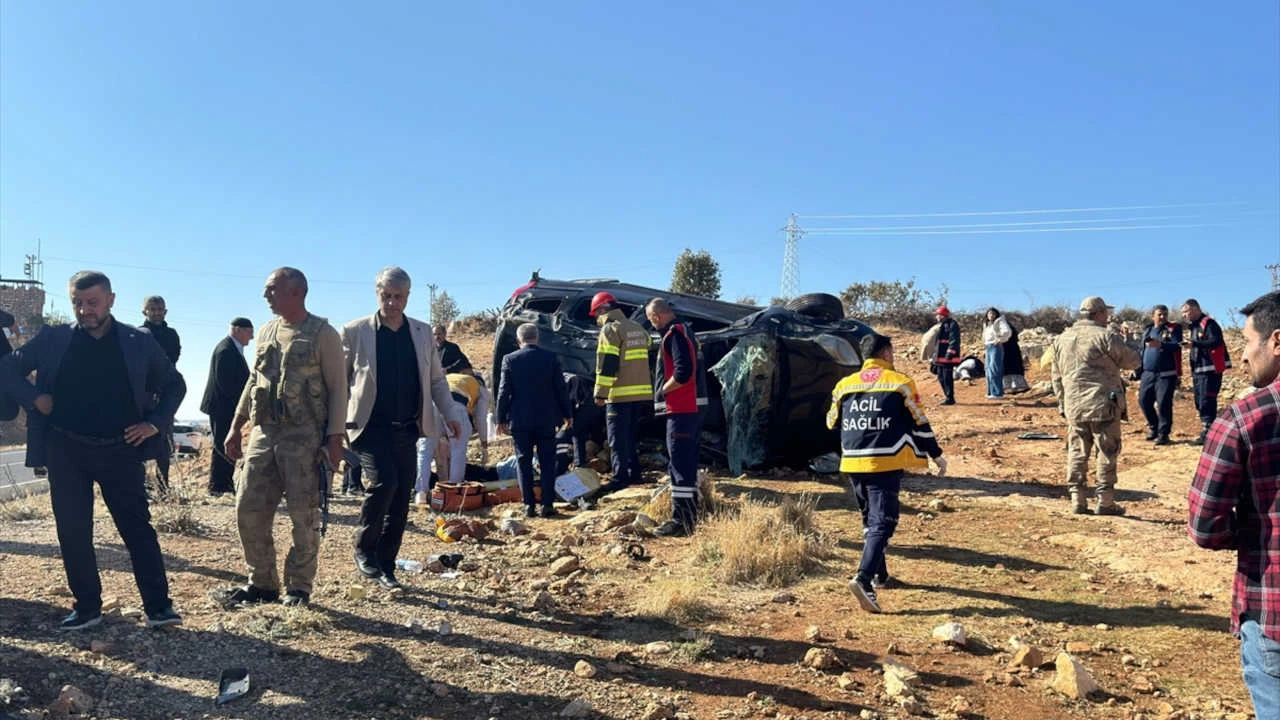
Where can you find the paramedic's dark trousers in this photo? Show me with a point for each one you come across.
(682, 446)
(947, 380)
(1155, 397)
(544, 440)
(877, 495)
(74, 465)
(622, 420)
(1207, 386)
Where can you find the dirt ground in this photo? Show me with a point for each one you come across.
(992, 547)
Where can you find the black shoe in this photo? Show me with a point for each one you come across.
(252, 595)
(530, 511)
(389, 581)
(1163, 440)
(880, 582)
(549, 512)
(1200, 440)
(163, 618)
(1111, 509)
(949, 401)
(80, 621)
(1151, 435)
(297, 597)
(865, 594)
(672, 528)
(367, 568)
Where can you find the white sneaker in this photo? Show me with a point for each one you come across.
(865, 595)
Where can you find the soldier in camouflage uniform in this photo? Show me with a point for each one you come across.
(1088, 361)
(295, 406)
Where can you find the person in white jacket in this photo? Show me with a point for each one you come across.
(995, 333)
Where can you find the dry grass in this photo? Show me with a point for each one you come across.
(174, 511)
(26, 506)
(679, 600)
(709, 503)
(764, 544)
(280, 623)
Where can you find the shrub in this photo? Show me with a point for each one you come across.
(25, 506)
(764, 544)
(677, 600)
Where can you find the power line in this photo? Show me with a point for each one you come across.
(1019, 212)
(1108, 228)
(1028, 223)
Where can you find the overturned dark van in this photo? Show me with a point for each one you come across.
(771, 370)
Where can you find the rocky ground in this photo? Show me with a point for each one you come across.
(1008, 607)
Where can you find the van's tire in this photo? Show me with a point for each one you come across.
(821, 306)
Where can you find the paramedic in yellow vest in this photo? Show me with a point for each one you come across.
(295, 409)
(471, 394)
(623, 385)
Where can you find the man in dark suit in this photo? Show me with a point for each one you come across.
(101, 404)
(154, 312)
(228, 372)
(532, 402)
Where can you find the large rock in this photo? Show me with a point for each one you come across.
(822, 659)
(951, 633)
(71, 701)
(565, 565)
(1072, 679)
(584, 669)
(1027, 657)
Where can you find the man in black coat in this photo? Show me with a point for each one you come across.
(532, 403)
(154, 310)
(228, 372)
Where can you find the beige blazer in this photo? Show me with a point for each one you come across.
(360, 346)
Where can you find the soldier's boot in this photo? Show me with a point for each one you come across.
(1107, 504)
(1078, 504)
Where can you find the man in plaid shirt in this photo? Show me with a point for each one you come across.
(1235, 503)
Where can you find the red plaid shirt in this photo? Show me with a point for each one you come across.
(1235, 503)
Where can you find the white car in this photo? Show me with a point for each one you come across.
(188, 439)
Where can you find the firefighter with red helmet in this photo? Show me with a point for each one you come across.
(623, 384)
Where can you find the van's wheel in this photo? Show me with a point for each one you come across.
(821, 306)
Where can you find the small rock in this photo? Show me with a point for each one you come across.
(440, 690)
(1143, 685)
(783, 598)
(584, 669)
(951, 633)
(132, 613)
(910, 705)
(71, 700)
(356, 593)
(822, 659)
(542, 584)
(446, 627)
(1027, 657)
(543, 602)
(658, 711)
(565, 565)
(1102, 626)
(618, 518)
(960, 706)
(757, 651)
(512, 526)
(577, 709)
(849, 634)
(846, 681)
(658, 648)
(1079, 648)
(939, 506)
(109, 604)
(1072, 679)
(815, 635)
(100, 646)
(1165, 708)
(1129, 661)
(644, 522)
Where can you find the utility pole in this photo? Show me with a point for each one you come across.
(1275, 275)
(791, 258)
(431, 311)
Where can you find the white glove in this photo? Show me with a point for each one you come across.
(941, 463)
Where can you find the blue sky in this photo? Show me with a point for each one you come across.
(187, 149)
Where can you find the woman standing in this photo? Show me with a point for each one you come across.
(995, 333)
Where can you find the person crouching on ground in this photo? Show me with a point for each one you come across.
(883, 433)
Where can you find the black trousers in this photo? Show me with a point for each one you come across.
(162, 463)
(389, 463)
(947, 380)
(221, 469)
(1207, 386)
(584, 420)
(73, 467)
(543, 440)
(1155, 397)
(622, 422)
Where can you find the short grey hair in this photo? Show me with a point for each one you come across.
(86, 279)
(527, 333)
(295, 278)
(393, 276)
(660, 306)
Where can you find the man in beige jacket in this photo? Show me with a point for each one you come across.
(1088, 361)
(395, 377)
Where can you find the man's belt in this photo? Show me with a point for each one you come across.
(92, 440)
(459, 397)
(405, 425)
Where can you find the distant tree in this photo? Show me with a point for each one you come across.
(778, 301)
(747, 300)
(444, 309)
(53, 317)
(878, 297)
(696, 274)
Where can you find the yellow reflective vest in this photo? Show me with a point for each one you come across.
(622, 360)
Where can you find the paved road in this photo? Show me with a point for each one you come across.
(15, 478)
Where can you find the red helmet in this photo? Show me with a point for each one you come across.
(600, 300)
